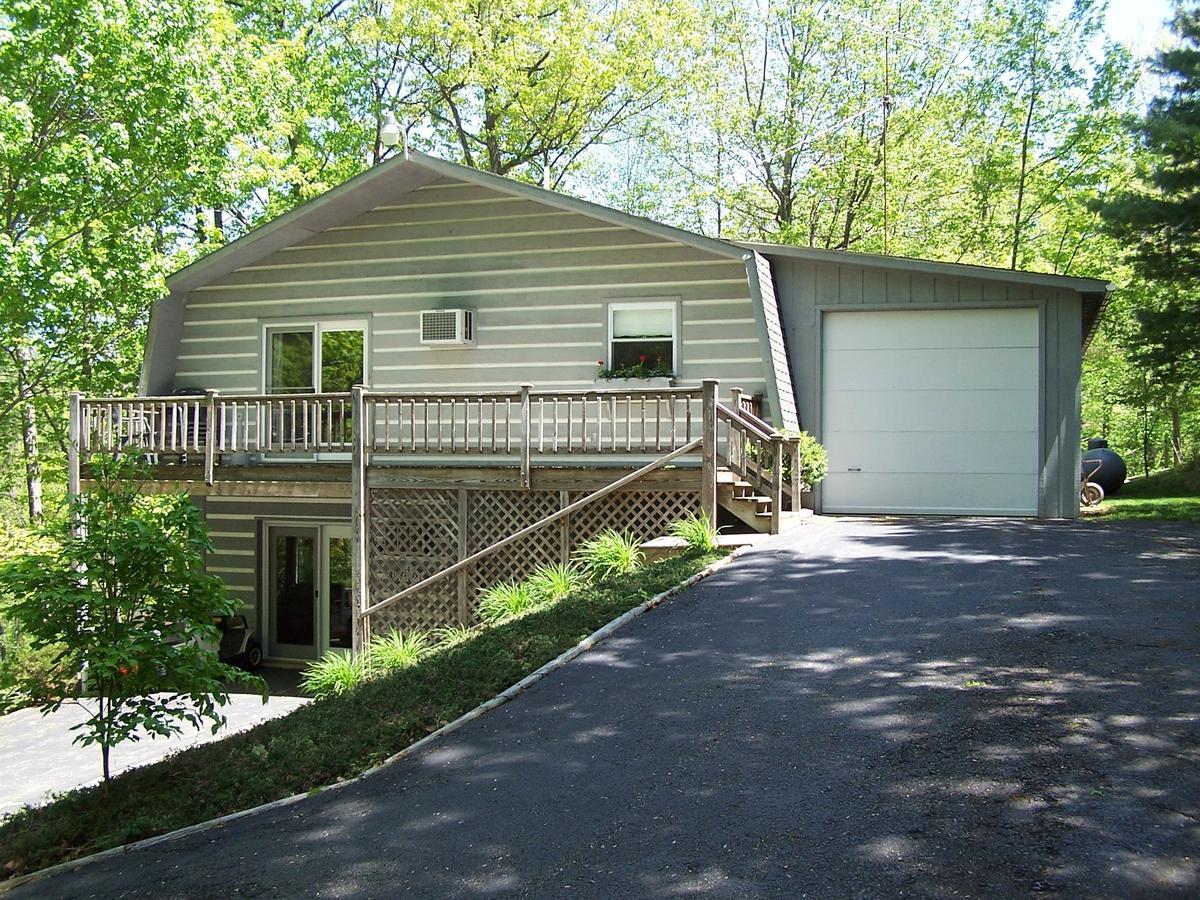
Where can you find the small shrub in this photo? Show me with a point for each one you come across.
(814, 460)
(550, 583)
(334, 673)
(450, 635)
(505, 600)
(698, 531)
(398, 650)
(611, 553)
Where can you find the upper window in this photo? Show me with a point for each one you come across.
(315, 359)
(643, 334)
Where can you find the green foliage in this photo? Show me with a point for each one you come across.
(449, 635)
(326, 740)
(505, 600)
(553, 582)
(698, 531)
(334, 673)
(120, 593)
(1171, 495)
(611, 553)
(1157, 220)
(637, 370)
(398, 650)
(115, 120)
(814, 460)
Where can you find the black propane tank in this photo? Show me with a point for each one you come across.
(1112, 468)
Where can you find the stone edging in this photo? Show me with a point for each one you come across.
(603, 632)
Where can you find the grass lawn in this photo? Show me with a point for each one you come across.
(327, 740)
(1173, 495)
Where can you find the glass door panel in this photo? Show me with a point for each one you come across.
(292, 587)
(341, 369)
(339, 610)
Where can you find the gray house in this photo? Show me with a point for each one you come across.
(368, 394)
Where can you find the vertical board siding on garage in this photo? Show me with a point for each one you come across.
(234, 528)
(807, 287)
(538, 278)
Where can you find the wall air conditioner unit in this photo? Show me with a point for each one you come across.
(448, 327)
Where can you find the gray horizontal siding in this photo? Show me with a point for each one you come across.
(539, 280)
(805, 288)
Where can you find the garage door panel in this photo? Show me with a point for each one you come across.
(932, 369)
(935, 329)
(931, 411)
(943, 410)
(988, 494)
(932, 452)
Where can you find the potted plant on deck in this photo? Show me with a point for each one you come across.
(645, 374)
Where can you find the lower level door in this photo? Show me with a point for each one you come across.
(294, 567)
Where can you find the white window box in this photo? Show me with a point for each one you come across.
(634, 384)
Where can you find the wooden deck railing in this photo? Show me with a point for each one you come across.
(518, 424)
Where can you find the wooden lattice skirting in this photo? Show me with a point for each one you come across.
(415, 532)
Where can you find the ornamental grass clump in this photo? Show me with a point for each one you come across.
(553, 582)
(611, 553)
(398, 650)
(451, 635)
(698, 531)
(505, 600)
(334, 673)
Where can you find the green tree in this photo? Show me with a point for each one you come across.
(120, 595)
(528, 86)
(1159, 220)
(114, 116)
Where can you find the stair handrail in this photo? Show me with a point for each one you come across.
(774, 442)
(479, 555)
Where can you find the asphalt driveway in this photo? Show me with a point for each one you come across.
(863, 708)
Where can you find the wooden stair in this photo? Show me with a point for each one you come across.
(741, 499)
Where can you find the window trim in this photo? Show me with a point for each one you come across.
(317, 327)
(671, 303)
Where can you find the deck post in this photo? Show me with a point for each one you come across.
(708, 449)
(526, 435)
(210, 436)
(464, 550)
(74, 436)
(737, 442)
(564, 530)
(358, 517)
(776, 483)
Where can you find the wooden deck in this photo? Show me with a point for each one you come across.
(451, 493)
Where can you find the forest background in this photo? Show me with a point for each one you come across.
(136, 135)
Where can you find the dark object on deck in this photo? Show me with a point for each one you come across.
(239, 646)
(1111, 474)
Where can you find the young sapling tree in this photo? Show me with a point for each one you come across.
(120, 591)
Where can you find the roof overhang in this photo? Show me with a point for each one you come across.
(1094, 292)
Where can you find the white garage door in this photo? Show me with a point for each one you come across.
(930, 411)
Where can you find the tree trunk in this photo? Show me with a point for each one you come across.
(1176, 435)
(1016, 241)
(29, 437)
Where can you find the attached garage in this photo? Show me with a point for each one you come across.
(931, 411)
(937, 388)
